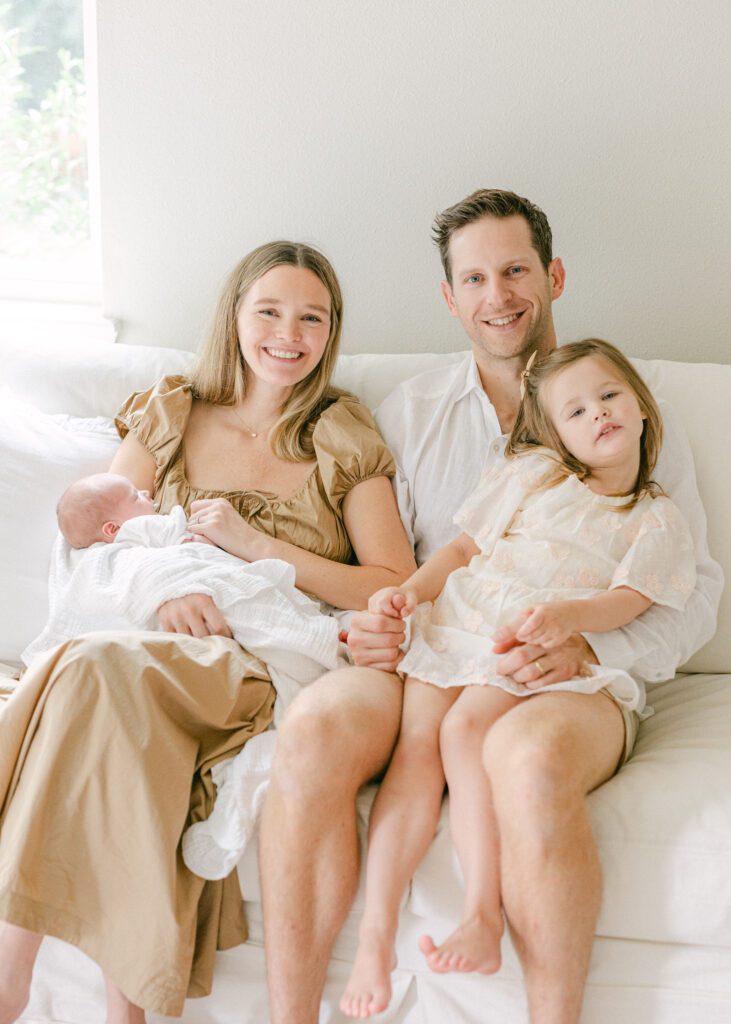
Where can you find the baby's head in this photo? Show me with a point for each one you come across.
(586, 402)
(94, 508)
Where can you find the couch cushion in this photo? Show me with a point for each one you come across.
(40, 456)
(663, 826)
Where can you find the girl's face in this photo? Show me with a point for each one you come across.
(595, 413)
(284, 325)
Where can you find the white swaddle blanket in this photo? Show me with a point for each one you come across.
(121, 585)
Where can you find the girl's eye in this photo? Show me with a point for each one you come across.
(609, 394)
(576, 412)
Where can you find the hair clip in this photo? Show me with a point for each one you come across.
(526, 374)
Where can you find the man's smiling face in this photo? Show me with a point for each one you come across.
(500, 290)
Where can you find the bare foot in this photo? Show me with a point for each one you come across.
(474, 946)
(369, 987)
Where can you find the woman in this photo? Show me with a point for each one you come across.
(102, 739)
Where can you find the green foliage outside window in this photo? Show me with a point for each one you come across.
(43, 163)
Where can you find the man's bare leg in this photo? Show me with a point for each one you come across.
(18, 952)
(338, 734)
(542, 758)
(475, 944)
(402, 825)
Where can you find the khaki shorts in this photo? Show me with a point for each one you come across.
(631, 724)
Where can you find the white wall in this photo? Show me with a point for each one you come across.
(225, 123)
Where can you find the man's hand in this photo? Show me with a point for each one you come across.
(194, 615)
(374, 640)
(535, 666)
(549, 625)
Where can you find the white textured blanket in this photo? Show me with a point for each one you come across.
(121, 585)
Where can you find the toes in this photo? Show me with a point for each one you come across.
(426, 945)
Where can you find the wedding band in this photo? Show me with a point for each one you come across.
(540, 667)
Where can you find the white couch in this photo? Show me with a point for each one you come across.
(663, 948)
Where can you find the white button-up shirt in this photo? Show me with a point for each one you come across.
(443, 430)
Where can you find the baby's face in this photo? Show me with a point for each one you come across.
(129, 503)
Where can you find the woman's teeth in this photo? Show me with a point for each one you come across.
(281, 353)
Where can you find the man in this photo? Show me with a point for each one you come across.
(542, 757)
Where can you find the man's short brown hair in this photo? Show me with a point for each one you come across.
(491, 202)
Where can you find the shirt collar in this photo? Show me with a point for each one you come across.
(470, 379)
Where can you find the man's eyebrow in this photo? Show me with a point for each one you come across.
(508, 263)
(276, 302)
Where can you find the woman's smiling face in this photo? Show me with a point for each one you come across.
(283, 325)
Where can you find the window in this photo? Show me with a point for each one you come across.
(48, 252)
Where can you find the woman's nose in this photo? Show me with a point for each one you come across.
(289, 330)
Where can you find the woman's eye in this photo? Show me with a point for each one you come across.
(312, 319)
(268, 312)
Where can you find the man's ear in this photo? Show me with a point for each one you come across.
(557, 277)
(449, 297)
(110, 531)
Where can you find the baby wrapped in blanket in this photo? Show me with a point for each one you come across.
(118, 561)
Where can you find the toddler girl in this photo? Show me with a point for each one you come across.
(571, 532)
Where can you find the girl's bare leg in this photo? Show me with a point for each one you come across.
(119, 1009)
(475, 944)
(403, 822)
(18, 952)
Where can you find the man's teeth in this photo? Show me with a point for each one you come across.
(281, 353)
(501, 321)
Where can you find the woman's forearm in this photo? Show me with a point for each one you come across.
(338, 584)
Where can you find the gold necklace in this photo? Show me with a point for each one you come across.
(249, 430)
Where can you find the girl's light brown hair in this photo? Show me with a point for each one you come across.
(534, 428)
(220, 374)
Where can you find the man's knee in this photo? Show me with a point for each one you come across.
(333, 736)
(529, 762)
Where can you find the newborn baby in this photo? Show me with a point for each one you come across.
(94, 508)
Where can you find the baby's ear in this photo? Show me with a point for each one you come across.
(110, 531)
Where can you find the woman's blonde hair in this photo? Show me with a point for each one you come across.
(220, 374)
(534, 428)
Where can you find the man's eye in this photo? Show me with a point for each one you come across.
(514, 271)
(474, 279)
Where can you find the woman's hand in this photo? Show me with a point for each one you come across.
(194, 615)
(216, 520)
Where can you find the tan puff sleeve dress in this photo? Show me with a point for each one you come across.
(107, 744)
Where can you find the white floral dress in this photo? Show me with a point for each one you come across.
(560, 543)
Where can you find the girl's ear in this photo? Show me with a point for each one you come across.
(110, 530)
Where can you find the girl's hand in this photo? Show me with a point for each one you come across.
(549, 625)
(216, 520)
(395, 602)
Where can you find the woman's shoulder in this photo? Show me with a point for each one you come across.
(348, 446)
(157, 414)
(345, 412)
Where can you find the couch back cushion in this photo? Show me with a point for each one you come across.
(90, 379)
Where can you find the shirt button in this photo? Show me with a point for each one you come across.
(496, 446)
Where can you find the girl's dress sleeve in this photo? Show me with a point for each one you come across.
(661, 561)
(488, 512)
(349, 449)
(157, 418)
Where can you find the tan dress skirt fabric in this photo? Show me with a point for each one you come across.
(107, 743)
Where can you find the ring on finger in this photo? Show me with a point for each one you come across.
(539, 666)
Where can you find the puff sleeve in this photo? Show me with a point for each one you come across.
(661, 560)
(488, 511)
(157, 418)
(349, 448)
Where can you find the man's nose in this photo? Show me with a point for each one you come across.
(498, 292)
